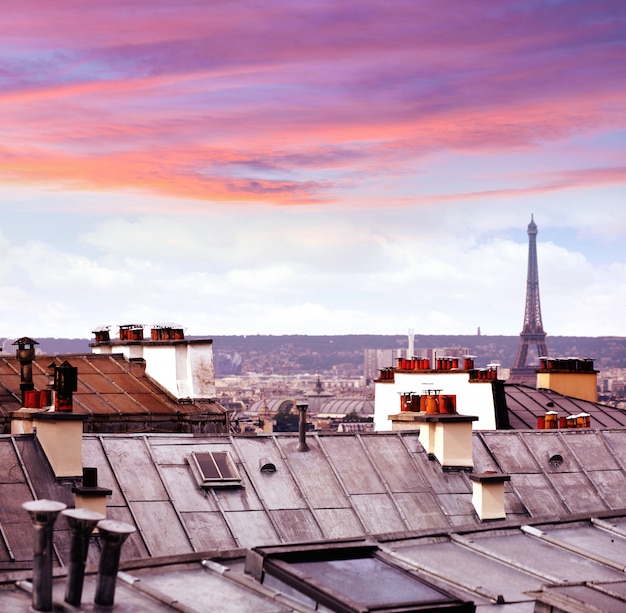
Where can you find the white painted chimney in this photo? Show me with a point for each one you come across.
(488, 494)
(184, 367)
(60, 435)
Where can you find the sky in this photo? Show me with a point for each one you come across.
(311, 167)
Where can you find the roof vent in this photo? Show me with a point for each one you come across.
(266, 466)
(81, 522)
(113, 534)
(556, 460)
(43, 513)
(302, 445)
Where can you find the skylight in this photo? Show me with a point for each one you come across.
(215, 469)
(344, 578)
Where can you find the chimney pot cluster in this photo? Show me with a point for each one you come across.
(552, 421)
(102, 334)
(484, 374)
(567, 364)
(387, 374)
(131, 332)
(446, 363)
(167, 332)
(429, 401)
(135, 332)
(414, 363)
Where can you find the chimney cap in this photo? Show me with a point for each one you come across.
(83, 514)
(43, 506)
(101, 329)
(116, 527)
(25, 340)
(166, 324)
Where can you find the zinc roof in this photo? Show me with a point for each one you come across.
(346, 485)
(525, 404)
(574, 564)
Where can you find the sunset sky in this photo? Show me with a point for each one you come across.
(311, 167)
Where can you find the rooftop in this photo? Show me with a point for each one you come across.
(114, 392)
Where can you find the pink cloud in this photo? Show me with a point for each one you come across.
(288, 102)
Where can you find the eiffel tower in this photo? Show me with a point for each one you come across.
(532, 333)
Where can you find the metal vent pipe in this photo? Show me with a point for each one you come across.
(113, 534)
(81, 522)
(302, 407)
(43, 514)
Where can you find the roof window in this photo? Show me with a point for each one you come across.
(215, 469)
(356, 578)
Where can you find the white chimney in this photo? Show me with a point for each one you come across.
(447, 438)
(60, 435)
(488, 494)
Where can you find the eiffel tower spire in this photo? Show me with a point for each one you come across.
(532, 332)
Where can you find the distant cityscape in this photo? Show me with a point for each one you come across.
(253, 367)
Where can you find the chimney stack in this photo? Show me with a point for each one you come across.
(25, 353)
(302, 407)
(113, 535)
(88, 495)
(81, 522)
(60, 435)
(575, 377)
(488, 494)
(43, 514)
(65, 384)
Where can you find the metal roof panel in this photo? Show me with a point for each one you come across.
(351, 463)
(540, 558)
(394, 464)
(594, 541)
(578, 493)
(200, 589)
(277, 489)
(135, 546)
(472, 570)
(252, 528)
(133, 466)
(538, 496)
(208, 531)
(339, 523)
(611, 485)
(422, 511)
(590, 450)
(296, 525)
(378, 512)
(511, 453)
(314, 475)
(161, 528)
(185, 492)
(94, 456)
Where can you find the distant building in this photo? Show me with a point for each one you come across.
(566, 386)
(129, 385)
(377, 359)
